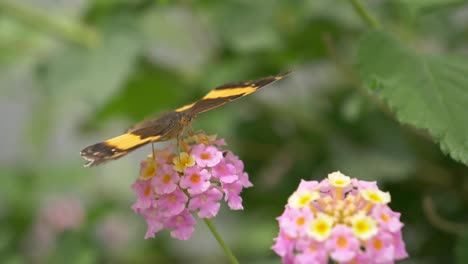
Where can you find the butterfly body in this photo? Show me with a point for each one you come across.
(171, 124)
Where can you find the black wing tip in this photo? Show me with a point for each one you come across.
(270, 79)
(284, 74)
(91, 155)
(89, 162)
(257, 83)
(99, 153)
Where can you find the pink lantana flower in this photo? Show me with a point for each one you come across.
(386, 218)
(206, 156)
(183, 225)
(147, 169)
(342, 245)
(144, 191)
(166, 179)
(175, 182)
(244, 179)
(381, 248)
(232, 196)
(225, 172)
(311, 251)
(195, 180)
(339, 219)
(239, 167)
(284, 245)
(400, 248)
(172, 203)
(294, 223)
(207, 203)
(154, 219)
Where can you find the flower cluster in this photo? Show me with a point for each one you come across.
(172, 185)
(342, 219)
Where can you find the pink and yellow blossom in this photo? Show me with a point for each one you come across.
(206, 156)
(342, 220)
(166, 180)
(172, 186)
(196, 180)
(183, 161)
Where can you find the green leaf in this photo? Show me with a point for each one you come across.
(461, 252)
(427, 91)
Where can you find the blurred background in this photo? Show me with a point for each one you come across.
(75, 72)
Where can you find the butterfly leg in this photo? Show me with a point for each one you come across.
(182, 144)
(152, 151)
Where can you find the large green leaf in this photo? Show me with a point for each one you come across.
(427, 91)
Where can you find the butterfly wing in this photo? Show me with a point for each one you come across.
(159, 129)
(228, 92)
(170, 125)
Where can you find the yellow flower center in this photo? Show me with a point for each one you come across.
(183, 161)
(342, 242)
(337, 179)
(147, 191)
(195, 178)
(300, 221)
(304, 200)
(374, 197)
(172, 198)
(377, 244)
(149, 170)
(205, 156)
(321, 228)
(362, 227)
(166, 178)
(385, 218)
(339, 182)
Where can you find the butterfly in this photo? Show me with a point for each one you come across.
(171, 124)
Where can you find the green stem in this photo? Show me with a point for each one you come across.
(66, 29)
(228, 252)
(365, 14)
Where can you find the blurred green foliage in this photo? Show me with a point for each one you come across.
(76, 72)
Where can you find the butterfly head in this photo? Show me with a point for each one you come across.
(186, 118)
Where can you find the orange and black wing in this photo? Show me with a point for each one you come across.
(228, 92)
(171, 124)
(119, 146)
